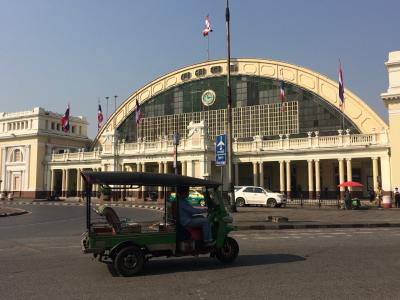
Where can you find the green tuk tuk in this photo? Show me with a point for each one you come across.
(127, 245)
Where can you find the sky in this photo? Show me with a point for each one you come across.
(55, 52)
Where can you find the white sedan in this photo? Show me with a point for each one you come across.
(255, 195)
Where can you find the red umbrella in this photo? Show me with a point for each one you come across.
(350, 183)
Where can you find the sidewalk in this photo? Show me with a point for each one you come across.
(256, 218)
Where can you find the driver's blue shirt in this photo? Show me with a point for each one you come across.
(186, 212)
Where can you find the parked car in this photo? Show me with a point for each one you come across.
(195, 198)
(255, 195)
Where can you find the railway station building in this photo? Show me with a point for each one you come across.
(305, 146)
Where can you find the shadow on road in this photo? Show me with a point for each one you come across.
(176, 265)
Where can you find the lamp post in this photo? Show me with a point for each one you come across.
(107, 106)
(115, 102)
(176, 143)
(231, 175)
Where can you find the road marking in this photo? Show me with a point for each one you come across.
(62, 247)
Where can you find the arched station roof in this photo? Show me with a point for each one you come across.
(355, 108)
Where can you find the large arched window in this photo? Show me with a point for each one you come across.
(257, 111)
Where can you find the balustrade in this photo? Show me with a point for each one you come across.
(284, 143)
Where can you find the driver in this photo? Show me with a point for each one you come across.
(188, 216)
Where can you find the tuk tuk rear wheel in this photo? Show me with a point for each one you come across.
(129, 261)
(229, 251)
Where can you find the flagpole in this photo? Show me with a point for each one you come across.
(343, 117)
(208, 47)
(98, 123)
(341, 79)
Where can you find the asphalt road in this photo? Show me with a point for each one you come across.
(40, 258)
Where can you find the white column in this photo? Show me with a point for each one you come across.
(66, 182)
(165, 167)
(184, 167)
(190, 168)
(205, 166)
(310, 178)
(375, 173)
(282, 176)
(349, 171)
(160, 171)
(255, 174)
(288, 179)
(78, 183)
(261, 166)
(3, 168)
(386, 182)
(27, 163)
(160, 167)
(52, 180)
(143, 188)
(317, 179)
(341, 176)
(63, 182)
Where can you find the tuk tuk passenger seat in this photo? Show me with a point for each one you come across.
(115, 222)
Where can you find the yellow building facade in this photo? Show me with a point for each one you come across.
(26, 139)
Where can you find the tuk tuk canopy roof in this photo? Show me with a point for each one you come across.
(146, 179)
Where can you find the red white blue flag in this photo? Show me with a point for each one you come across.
(341, 87)
(99, 118)
(282, 95)
(65, 120)
(138, 113)
(207, 28)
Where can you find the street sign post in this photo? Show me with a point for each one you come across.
(220, 150)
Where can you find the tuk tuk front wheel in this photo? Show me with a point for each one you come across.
(229, 251)
(129, 261)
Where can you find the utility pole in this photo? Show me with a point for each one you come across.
(231, 175)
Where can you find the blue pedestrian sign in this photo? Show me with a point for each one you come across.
(220, 150)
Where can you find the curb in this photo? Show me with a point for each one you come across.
(61, 203)
(313, 226)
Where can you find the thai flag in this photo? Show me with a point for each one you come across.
(65, 120)
(341, 87)
(138, 114)
(99, 118)
(282, 95)
(207, 27)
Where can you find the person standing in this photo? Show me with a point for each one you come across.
(397, 197)
(347, 198)
(371, 194)
(379, 196)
